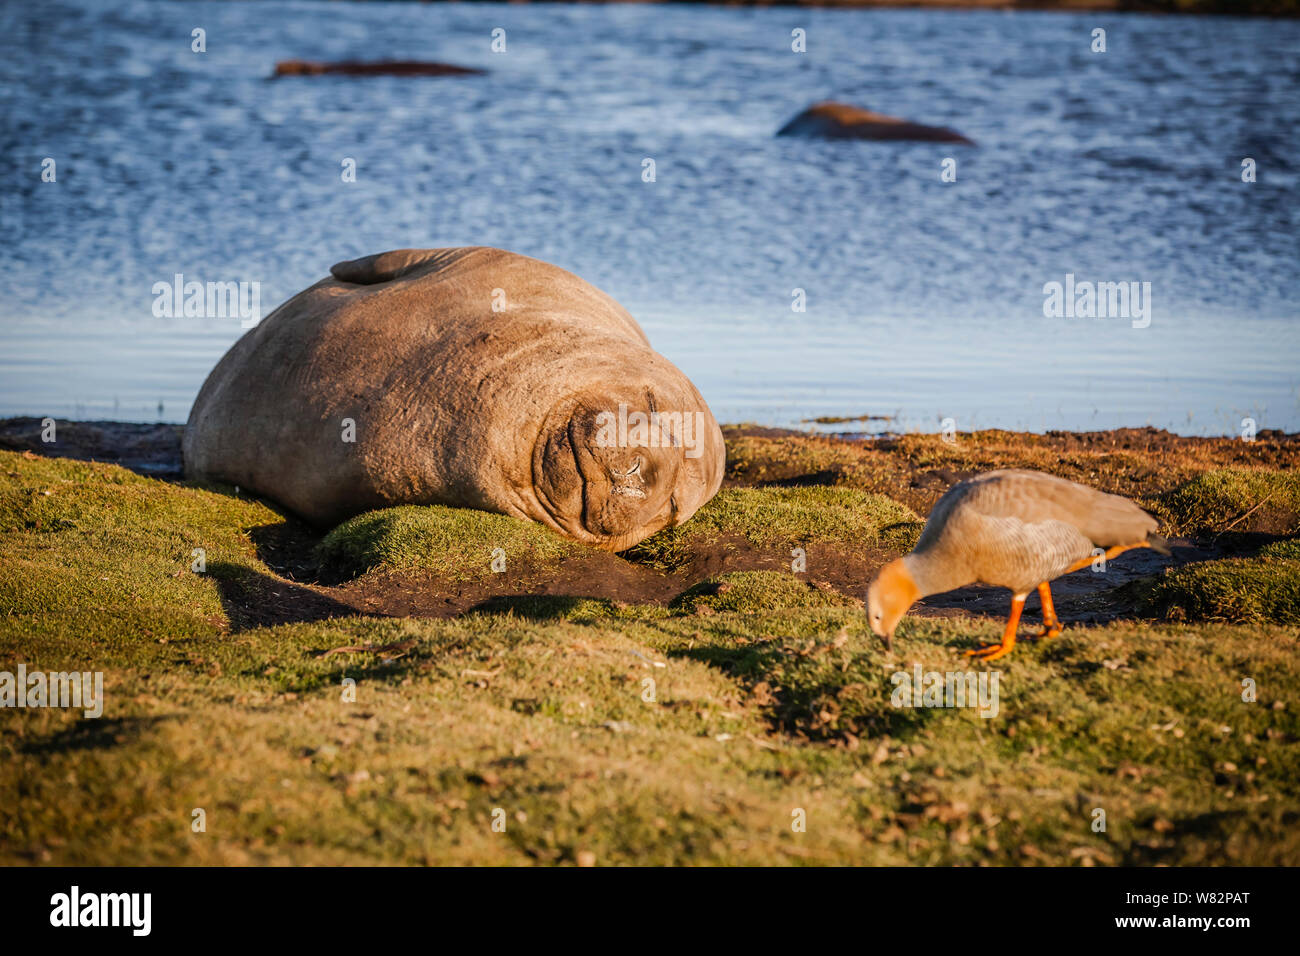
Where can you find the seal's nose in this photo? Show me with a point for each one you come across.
(628, 483)
(625, 490)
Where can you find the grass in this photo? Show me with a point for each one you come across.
(1245, 590)
(597, 731)
(1284, 550)
(454, 543)
(458, 543)
(757, 592)
(1255, 500)
(95, 557)
(767, 516)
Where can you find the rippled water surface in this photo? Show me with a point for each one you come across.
(924, 298)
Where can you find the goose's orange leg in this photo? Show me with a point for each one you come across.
(1051, 623)
(991, 652)
(1111, 553)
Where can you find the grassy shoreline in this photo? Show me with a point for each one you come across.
(520, 698)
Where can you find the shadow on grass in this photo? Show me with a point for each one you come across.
(252, 599)
(538, 607)
(818, 479)
(1215, 827)
(288, 548)
(814, 700)
(98, 734)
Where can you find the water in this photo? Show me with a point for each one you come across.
(924, 298)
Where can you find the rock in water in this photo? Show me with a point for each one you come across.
(382, 68)
(840, 121)
(470, 377)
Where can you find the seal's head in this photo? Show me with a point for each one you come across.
(611, 473)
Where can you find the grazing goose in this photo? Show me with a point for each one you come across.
(1015, 529)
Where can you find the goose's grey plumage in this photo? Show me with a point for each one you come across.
(1016, 528)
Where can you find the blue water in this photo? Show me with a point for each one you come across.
(924, 298)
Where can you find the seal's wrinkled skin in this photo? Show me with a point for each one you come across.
(475, 378)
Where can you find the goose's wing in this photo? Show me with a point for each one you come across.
(1033, 497)
(1012, 553)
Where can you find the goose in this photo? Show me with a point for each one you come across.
(1012, 528)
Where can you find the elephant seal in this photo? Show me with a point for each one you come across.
(830, 120)
(471, 377)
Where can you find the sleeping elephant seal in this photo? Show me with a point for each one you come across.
(830, 120)
(470, 377)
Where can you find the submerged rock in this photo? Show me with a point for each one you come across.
(830, 120)
(381, 68)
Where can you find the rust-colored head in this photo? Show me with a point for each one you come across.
(890, 595)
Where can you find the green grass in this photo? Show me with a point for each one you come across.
(1265, 588)
(597, 731)
(758, 592)
(766, 516)
(95, 557)
(1288, 550)
(454, 543)
(1212, 501)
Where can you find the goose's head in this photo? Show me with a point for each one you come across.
(891, 593)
